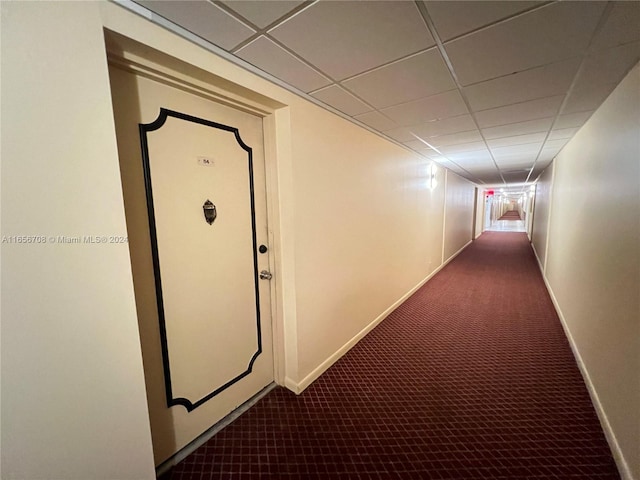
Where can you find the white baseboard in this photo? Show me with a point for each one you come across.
(298, 388)
(623, 466)
(450, 258)
(290, 384)
(535, 252)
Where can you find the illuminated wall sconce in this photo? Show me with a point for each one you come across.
(432, 175)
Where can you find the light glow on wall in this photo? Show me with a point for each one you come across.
(432, 173)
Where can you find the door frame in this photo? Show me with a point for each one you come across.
(132, 56)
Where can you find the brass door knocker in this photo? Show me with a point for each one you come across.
(210, 212)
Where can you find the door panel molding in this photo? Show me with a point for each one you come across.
(148, 57)
(144, 129)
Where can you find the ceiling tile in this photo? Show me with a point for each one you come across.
(463, 147)
(563, 133)
(545, 81)
(520, 112)
(262, 13)
(521, 175)
(608, 66)
(342, 100)
(377, 121)
(557, 143)
(510, 172)
(203, 19)
(491, 179)
(552, 33)
(520, 165)
(517, 140)
(622, 26)
(515, 163)
(479, 159)
(453, 18)
(587, 99)
(516, 152)
(401, 134)
(519, 128)
(547, 155)
(516, 176)
(456, 169)
(455, 138)
(484, 171)
(445, 126)
(572, 120)
(271, 58)
(346, 38)
(443, 105)
(415, 77)
(418, 145)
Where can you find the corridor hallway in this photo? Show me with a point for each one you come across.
(510, 215)
(471, 378)
(509, 222)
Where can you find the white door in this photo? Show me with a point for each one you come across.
(193, 181)
(488, 211)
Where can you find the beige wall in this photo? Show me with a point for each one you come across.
(359, 230)
(541, 214)
(339, 186)
(458, 214)
(368, 229)
(73, 398)
(529, 203)
(479, 212)
(593, 259)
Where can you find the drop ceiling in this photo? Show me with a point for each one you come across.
(489, 89)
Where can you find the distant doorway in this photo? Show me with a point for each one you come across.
(510, 221)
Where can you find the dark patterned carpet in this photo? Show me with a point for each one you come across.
(510, 215)
(471, 378)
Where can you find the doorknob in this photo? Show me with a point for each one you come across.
(265, 275)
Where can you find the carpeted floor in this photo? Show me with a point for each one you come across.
(510, 215)
(471, 378)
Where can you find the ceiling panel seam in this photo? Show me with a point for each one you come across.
(388, 64)
(601, 22)
(182, 32)
(318, 70)
(436, 36)
(282, 21)
(259, 31)
(398, 94)
(524, 70)
(451, 161)
(497, 22)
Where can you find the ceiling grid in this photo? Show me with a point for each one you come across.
(427, 18)
(605, 15)
(491, 90)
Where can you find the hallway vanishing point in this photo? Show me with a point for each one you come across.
(471, 378)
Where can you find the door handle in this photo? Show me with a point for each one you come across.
(265, 275)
